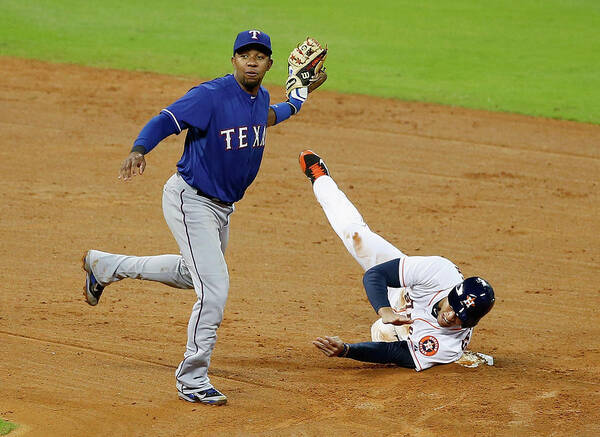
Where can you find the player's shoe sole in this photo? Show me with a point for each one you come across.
(212, 396)
(312, 165)
(92, 290)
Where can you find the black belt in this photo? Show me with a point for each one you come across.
(214, 199)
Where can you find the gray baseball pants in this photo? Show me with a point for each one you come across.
(201, 229)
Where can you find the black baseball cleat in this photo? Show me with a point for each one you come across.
(92, 289)
(312, 165)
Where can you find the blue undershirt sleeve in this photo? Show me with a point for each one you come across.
(377, 279)
(283, 111)
(395, 352)
(156, 130)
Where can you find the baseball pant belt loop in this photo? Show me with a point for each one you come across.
(213, 199)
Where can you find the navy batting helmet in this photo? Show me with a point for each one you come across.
(471, 300)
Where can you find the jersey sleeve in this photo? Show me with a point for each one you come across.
(395, 352)
(428, 274)
(156, 130)
(376, 281)
(193, 109)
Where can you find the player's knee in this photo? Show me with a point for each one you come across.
(184, 275)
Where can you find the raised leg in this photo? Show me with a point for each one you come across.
(367, 247)
(170, 270)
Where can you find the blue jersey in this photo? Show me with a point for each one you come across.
(226, 136)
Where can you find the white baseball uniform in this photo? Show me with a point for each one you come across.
(425, 280)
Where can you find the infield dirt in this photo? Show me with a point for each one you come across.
(511, 198)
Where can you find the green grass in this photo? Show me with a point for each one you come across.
(6, 427)
(536, 57)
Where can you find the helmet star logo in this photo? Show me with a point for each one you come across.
(469, 301)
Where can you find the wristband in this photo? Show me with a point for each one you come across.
(297, 97)
(283, 111)
(345, 351)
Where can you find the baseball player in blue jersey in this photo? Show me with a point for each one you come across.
(427, 309)
(226, 121)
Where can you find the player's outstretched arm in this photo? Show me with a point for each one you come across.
(395, 352)
(156, 130)
(135, 162)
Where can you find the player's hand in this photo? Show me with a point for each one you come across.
(330, 346)
(135, 162)
(389, 316)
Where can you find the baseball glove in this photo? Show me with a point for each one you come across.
(305, 66)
